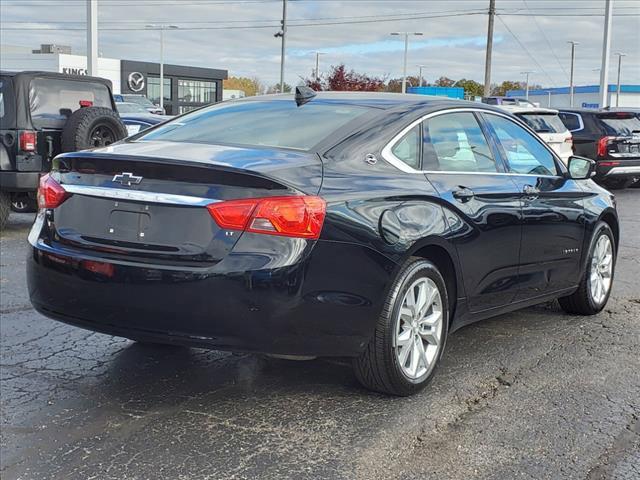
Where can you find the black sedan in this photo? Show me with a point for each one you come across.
(363, 225)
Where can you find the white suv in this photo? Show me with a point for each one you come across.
(548, 126)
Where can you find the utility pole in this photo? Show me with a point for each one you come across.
(606, 49)
(526, 83)
(620, 55)
(420, 76)
(487, 61)
(162, 28)
(406, 50)
(573, 56)
(549, 100)
(92, 37)
(317, 75)
(282, 34)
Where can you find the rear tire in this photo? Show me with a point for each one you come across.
(92, 127)
(410, 334)
(587, 299)
(5, 209)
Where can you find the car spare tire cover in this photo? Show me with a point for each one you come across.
(92, 127)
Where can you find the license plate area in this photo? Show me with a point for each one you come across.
(128, 225)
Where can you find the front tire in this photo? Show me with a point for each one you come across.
(595, 287)
(410, 334)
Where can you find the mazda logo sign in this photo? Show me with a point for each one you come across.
(136, 81)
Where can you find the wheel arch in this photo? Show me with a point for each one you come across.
(611, 219)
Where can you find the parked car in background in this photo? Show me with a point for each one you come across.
(41, 115)
(515, 101)
(548, 126)
(136, 118)
(363, 225)
(140, 100)
(611, 138)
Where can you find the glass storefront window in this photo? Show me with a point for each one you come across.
(196, 91)
(153, 89)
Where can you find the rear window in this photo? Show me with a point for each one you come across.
(620, 124)
(52, 100)
(543, 123)
(276, 123)
(570, 120)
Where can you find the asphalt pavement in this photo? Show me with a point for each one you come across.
(535, 394)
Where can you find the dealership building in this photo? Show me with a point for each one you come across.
(583, 96)
(185, 87)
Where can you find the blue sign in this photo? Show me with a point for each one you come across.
(590, 105)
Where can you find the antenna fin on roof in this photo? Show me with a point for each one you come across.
(304, 95)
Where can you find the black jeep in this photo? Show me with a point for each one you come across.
(43, 114)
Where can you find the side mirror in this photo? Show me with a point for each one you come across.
(581, 168)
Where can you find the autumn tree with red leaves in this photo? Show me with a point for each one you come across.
(339, 79)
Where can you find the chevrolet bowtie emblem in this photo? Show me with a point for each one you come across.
(126, 178)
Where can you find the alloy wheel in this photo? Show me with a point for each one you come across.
(601, 271)
(418, 329)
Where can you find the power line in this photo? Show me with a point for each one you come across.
(526, 50)
(547, 40)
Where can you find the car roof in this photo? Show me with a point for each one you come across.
(519, 109)
(380, 100)
(28, 75)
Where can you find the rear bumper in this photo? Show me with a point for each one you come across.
(318, 305)
(633, 171)
(623, 168)
(19, 181)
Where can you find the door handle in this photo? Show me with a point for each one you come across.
(531, 191)
(463, 194)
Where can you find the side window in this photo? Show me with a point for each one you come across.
(524, 153)
(454, 142)
(407, 149)
(570, 120)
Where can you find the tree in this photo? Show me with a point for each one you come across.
(502, 89)
(444, 82)
(471, 87)
(275, 88)
(339, 79)
(250, 86)
(395, 84)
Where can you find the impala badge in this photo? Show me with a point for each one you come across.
(126, 178)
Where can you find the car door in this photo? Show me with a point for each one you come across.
(482, 206)
(552, 208)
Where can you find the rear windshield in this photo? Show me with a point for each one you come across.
(275, 123)
(620, 124)
(543, 122)
(52, 100)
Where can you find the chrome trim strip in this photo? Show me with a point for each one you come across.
(138, 195)
(623, 170)
(400, 165)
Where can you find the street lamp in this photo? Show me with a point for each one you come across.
(317, 75)
(162, 28)
(620, 55)
(573, 56)
(421, 67)
(406, 49)
(526, 87)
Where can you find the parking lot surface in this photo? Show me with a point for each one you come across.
(533, 394)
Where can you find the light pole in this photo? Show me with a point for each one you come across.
(406, 49)
(283, 35)
(317, 75)
(162, 28)
(606, 50)
(549, 99)
(92, 38)
(620, 55)
(573, 56)
(420, 67)
(526, 84)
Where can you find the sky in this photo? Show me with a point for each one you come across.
(238, 35)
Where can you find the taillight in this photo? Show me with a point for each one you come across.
(50, 193)
(86, 103)
(568, 140)
(295, 216)
(27, 141)
(603, 143)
